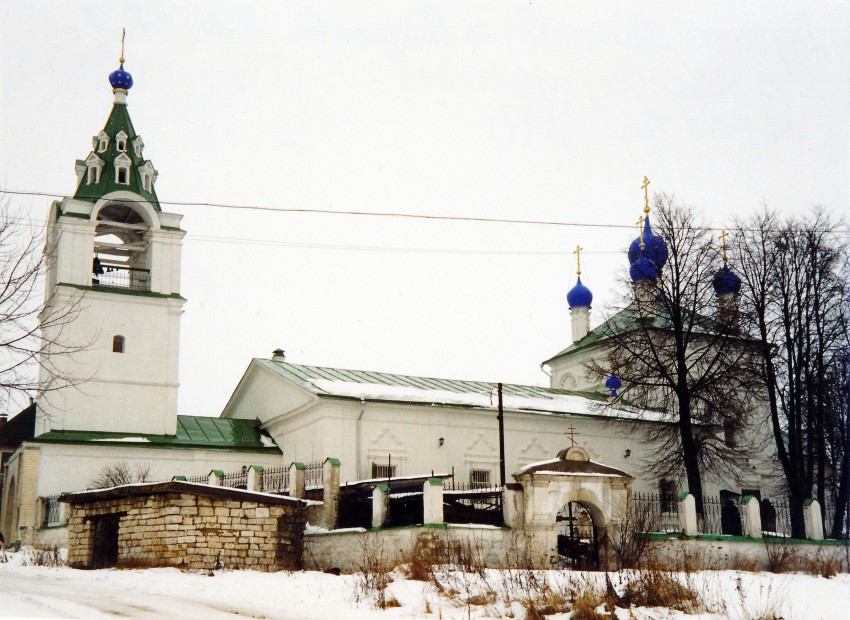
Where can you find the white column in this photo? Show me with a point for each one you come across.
(432, 501)
(752, 517)
(296, 480)
(812, 519)
(379, 505)
(255, 478)
(512, 505)
(216, 476)
(330, 496)
(580, 320)
(688, 514)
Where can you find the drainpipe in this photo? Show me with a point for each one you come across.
(359, 418)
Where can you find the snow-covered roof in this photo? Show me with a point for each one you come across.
(379, 386)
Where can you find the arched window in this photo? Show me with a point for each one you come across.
(118, 344)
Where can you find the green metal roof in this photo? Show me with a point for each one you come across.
(119, 119)
(193, 432)
(304, 376)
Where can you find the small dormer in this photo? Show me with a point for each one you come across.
(94, 167)
(80, 169)
(138, 146)
(121, 141)
(100, 142)
(122, 165)
(148, 175)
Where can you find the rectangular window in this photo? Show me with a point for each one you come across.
(121, 145)
(92, 175)
(383, 471)
(667, 495)
(479, 478)
(122, 175)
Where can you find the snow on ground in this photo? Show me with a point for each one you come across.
(43, 592)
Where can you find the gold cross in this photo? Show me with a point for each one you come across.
(571, 431)
(722, 238)
(645, 188)
(640, 229)
(123, 32)
(578, 259)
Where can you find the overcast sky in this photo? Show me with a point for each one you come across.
(520, 110)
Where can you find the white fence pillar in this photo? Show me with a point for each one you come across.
(255, 478)
(216, 477)
(688, 514)
(752, 517)
(432, 501)
(330, 496)
(380, 496)
(813, 519)
(296, 480)
(512, 505)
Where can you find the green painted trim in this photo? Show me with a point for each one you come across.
(179, 478)
(217, 472)
(682, 495)
(79, 216)
(746, 499)
(122, 291)
(299, 465)
(383, 487)
(333, 461)
(435, 482)
(172, 228)
(808, 502)
(257, 468)
(66, 492)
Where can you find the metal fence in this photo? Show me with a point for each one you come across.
(314, 475)
(199, 479)
(275, 479)
(722, 515)
(655, 512)
(236, 479)
(115, 276)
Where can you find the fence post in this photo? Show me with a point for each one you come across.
(330, 495)
(255, 478)
(812, 519)
(379, 505)
(216, 476)
(432, 501)
(752, 517)
(65, 509)
(512, 513)
(296, 480)
(688, 514)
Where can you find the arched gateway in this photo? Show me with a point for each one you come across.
(566, 506)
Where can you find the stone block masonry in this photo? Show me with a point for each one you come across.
(186, 526)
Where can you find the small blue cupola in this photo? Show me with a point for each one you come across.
(613, 383)
(648, 252)
(726, 281)
(579, 296)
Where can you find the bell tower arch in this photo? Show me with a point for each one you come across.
(114, 254)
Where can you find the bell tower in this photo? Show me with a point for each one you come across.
(115, 255)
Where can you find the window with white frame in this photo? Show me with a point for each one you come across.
(102, 143)
(122, 175)
(479, 478)
(121, 145)
(93, 175)
(380, 470)
(146, 182)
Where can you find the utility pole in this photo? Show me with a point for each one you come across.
(501, 439)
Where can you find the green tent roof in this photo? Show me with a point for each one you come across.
(193, 432)
(119, 119)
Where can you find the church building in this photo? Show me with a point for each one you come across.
(114, 259)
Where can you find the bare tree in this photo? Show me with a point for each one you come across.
(33, 325)
(677, 350)
(120, 473)
(795, 287)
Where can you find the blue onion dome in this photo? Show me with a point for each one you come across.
(613, 383)
(654, 247)
(579, 296)
(643, 269)
(726, 281)
(120, 79)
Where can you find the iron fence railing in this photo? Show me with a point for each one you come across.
(775, 515)
(655, 512)
(722, 515)
(275, 479)
(314, 474)
(120, 276)
(236, 479)
(199, 479)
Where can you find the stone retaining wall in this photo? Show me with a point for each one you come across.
(192, 531)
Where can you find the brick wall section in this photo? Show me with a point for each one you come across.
(193, 532)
